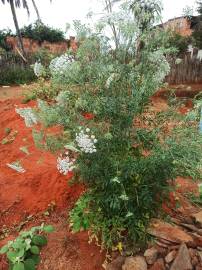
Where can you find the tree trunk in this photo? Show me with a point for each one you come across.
(37, 11)
(17, 27)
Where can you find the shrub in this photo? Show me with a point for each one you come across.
(24, 252)
(44, 56)
(16, 75)
(41, 32)
(197, 33)
(125, 186)
(179, 42)
(3, 43)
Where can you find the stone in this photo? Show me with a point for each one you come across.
(200, 255)
(198, 218)
(158, 265)
(161, 251)
(193, 252)
(116, 264)
(182, 260)
(151, 255)
(170, 256)
(169, 232)
(135, 263)
(194, 261)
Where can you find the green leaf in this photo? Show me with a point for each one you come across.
(71, 147)
(19, 266)
(29, 264)
(39, 240)
(35, 250)
(25, 234)
(12, 256)
(35, 258)
(4, 249)
(48, 229)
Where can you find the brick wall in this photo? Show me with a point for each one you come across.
(180, 25)
(32, 46)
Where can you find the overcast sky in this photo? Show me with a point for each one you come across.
(61, 12)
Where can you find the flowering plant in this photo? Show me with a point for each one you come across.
(115, 79)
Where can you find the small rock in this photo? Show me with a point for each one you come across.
(174, 247)
(161, 251)
(194, 261)
(183, 260)
(167, 266)
(169, 232)
(171, 256)
(193, 252)
(151, 255)
(135, 263)
(158, 265)
(198, 218)
(200, 256)
(116, 264)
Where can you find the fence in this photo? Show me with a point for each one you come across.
(188, 71)
(10, 59)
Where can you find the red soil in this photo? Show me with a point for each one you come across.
(30, 192)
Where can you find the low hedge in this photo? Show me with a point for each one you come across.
(16, 75)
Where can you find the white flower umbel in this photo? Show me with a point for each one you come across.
(86, 141)
(60, 64)
(38, 69)
(28, 115)
(65, 164)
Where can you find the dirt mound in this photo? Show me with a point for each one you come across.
(41, 184)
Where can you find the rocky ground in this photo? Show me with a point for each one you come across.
(178, 246)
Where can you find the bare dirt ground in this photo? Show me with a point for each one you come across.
(41, 194)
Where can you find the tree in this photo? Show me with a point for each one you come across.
(197, 34)
(18, 4)
(13, 5)
(37, 11)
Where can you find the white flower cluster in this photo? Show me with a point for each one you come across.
(38, 69)
(60, 64)
(65, 164)
(86, 141)
(162, 67)
(28, 115)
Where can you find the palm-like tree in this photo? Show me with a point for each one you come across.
(37, 11)
(13, 5)
(18, 4)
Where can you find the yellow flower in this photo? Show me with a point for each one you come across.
(119, 247)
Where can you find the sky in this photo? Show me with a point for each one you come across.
(60, 12)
